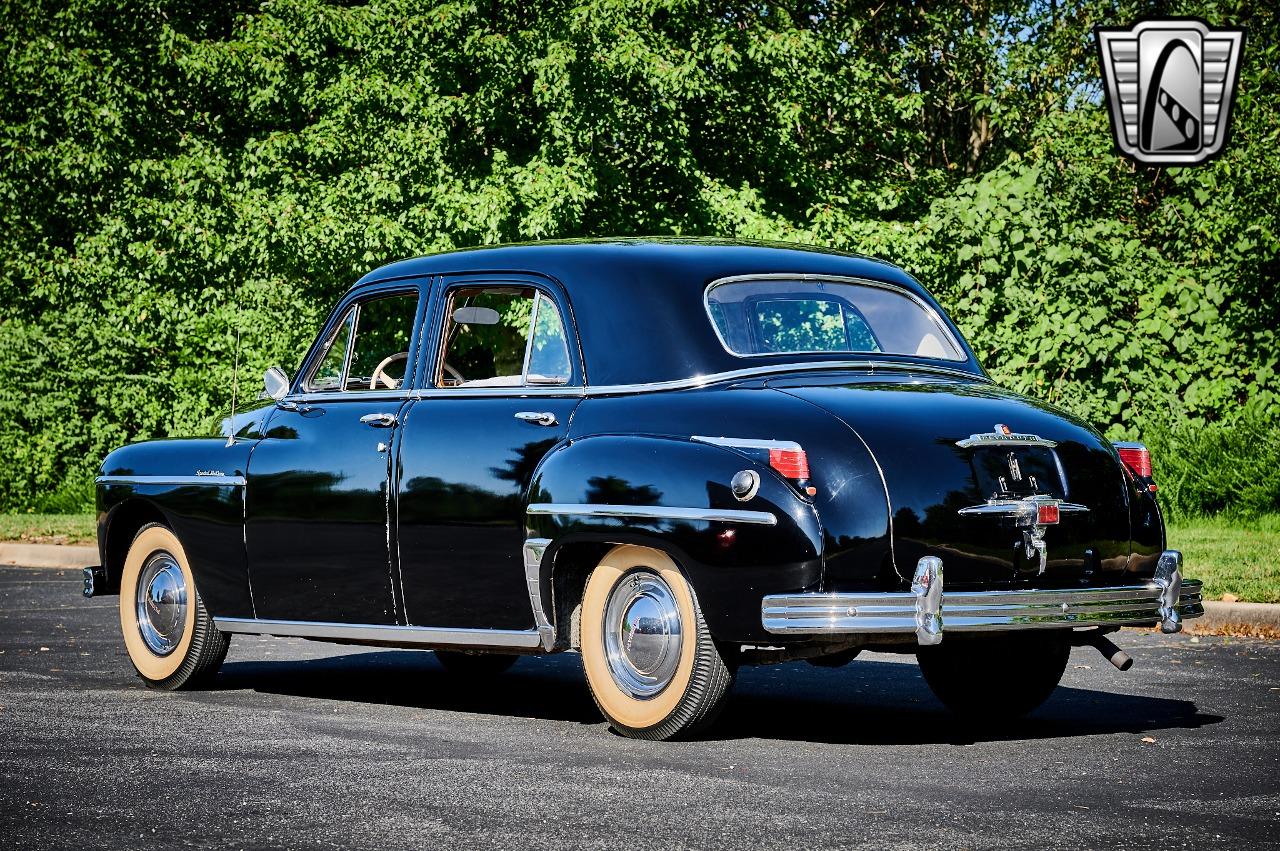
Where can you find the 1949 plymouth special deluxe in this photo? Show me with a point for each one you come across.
(674, 457)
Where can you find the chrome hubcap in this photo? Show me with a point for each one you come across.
(642, 634)
(162, 603)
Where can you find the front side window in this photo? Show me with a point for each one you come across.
(503, 337)
(771, 317)
(370, 349)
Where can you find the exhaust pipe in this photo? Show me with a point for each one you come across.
(1122, 660)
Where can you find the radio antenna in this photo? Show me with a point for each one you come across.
(235, 381)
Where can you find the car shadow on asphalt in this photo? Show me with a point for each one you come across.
(867, 702)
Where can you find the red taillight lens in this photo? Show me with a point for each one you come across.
(1136, 458)
(790, 463)
(1047, 515)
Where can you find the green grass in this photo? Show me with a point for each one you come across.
(1240, 557)
(48, 528)
(1230, 557)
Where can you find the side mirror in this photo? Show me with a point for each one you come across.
(277, 383)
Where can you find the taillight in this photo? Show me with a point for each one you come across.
(787, 458)
(1047, 514)
(1137, 458)
(790, 463)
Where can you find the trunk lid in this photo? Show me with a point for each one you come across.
(964, 462)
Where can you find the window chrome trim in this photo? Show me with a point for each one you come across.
(565, 391)
(349, 396)
(929, 310)
(655, 512)
(206, 481)
(421, 636)
(699, 381)
(541, 293)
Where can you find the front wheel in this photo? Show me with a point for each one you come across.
(995, 679)
(170, 637)
(651, 664)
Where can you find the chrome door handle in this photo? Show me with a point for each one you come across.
(545, 418)
(379, 420)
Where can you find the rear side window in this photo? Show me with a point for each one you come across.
(781, 316)
(503, 336)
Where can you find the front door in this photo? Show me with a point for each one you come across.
(500, 389)
(317, 507)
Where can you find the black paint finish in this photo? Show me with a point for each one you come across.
(316, 532)
(466, 467)
(429, 531)
(208, 519)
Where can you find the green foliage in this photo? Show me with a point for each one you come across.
(1230, 468)
(177, 171)
(1231, 556)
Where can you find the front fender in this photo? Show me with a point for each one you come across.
(731, 564)
(196, 487)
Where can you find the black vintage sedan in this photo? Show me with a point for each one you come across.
(673, 457)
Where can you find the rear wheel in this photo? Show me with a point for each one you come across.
(170, 637)
(997, 678)
(474, 664)
(651, 664)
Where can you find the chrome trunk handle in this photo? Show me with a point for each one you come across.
(544, 418)
(379, 420)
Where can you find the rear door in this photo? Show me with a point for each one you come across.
(317, 509)
(501, 381)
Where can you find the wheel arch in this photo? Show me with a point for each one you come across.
(121, 525)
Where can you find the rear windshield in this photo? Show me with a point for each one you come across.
(770, 317)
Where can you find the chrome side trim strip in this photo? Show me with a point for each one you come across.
(975, 611)
(408, 636)
(534, 550)
(748, 443)
(762, 371)
(655, 512)
(207, 481)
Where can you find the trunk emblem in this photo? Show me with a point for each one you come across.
(1004, 436)
(1032, 515)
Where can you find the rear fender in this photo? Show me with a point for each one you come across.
(733, 552)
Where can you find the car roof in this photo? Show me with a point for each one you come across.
(638, 303)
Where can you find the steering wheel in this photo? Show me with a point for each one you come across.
(453, 373)
(379, 375)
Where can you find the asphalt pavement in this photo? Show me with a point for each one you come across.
(309, 745)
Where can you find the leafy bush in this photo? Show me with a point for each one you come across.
(175, 171)
(1232, 468)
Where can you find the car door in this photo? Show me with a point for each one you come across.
(501, 380)
(318, 525)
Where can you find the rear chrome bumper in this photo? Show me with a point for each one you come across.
(927, 610)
